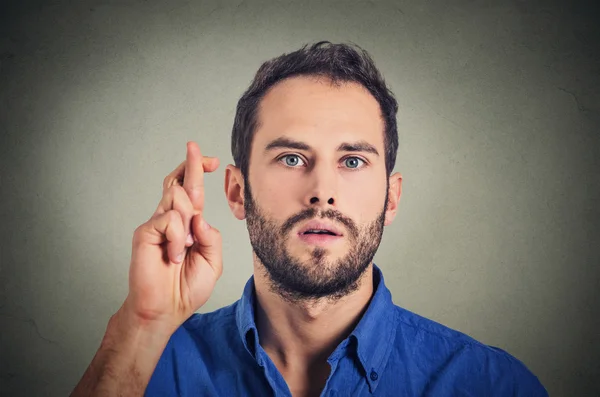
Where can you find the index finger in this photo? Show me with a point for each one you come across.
(176, 176)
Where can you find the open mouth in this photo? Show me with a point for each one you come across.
(319, 232)
(319, 237)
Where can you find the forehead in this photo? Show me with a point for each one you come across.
(308, 108)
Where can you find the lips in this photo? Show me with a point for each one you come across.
(320, 228)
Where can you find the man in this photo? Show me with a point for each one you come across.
(314, 143)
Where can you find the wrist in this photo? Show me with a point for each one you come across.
(127, 329)
(129, 343)
(127, 357)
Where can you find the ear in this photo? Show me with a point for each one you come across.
(234, 191)
(394, 193)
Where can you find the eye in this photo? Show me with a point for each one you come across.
(291, 160)
(353, 162)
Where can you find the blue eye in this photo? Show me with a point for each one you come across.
(353, 162)
(292, 160)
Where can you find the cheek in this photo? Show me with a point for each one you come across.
(275, 195)
(364, 202)
(364, 198)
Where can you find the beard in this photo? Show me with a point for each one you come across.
(318, 277)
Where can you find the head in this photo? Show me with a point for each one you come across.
(315, 139)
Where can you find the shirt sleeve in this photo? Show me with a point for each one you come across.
(164, 381)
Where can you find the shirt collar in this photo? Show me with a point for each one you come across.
(376, 331)
(373, 335)
(244, 318)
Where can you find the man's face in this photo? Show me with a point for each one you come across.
(317, 155)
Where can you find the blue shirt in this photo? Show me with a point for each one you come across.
(391, 352)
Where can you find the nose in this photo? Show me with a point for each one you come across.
(322, 187)
(315, 199)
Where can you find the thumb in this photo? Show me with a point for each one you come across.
(208, 241)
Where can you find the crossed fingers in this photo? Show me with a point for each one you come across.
(183, 189)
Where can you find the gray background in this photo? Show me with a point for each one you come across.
(497, 234)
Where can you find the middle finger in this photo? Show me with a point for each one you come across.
(193, 183)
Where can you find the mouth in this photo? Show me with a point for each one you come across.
(321, 239)
(319, 233)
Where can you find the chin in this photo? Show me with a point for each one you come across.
(312, 255)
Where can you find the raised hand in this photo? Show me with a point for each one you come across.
(175, 263)
(176, 256)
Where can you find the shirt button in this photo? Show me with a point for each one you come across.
(374, 376)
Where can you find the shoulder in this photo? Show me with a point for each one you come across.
(455, 359)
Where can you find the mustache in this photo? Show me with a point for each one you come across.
(310, 213)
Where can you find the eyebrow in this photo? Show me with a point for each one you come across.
(287, 143)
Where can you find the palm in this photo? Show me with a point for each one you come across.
(160, 286)
(197, 281)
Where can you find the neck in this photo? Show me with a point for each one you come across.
(301, 335)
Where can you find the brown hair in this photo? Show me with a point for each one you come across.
(339, 63)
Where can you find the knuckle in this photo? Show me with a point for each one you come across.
(177, 192)
(172, 196)
(196, 188)
(171, 190)
(136, 235)
(168, 193)
(138, 230)
(167, 182)
(174, 216)
(195, 194)
(172, 180)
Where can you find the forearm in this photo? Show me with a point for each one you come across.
(125, 360)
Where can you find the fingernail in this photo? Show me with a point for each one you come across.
(189, 239)
(179, 258)
(205, 225)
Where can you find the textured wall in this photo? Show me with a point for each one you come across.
(497, 234)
